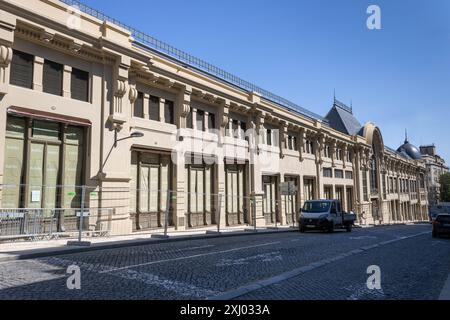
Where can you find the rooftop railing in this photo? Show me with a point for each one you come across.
(150, 43)
(343, 106)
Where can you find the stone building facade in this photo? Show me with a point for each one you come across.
(72, 83)
(436, 167)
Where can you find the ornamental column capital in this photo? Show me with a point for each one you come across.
(6, 54)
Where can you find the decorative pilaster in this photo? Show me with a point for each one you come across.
(38, 74)
(319, 146)
(301, 141)
(67, 81)
(133, 94)
(6, 54)
(283, 136)
(162, 114)
(344, 156)
(7, 27)
(319, 142)
(333, 153)
(206, 116)
(184, 106)
(224, 116)
(261, 129)
(120, 88)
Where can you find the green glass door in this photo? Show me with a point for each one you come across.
(43, 175)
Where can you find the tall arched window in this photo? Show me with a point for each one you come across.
(373, 174)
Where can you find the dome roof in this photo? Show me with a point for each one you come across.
(410, 150)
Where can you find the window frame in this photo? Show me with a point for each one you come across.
(136, 107)
(61, 143)
(169, 111)
(13, 71)
(80, 72)
(50, 64)
(154, 103)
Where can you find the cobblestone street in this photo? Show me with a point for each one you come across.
(272, 266)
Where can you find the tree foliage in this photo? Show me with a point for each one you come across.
(444, 180)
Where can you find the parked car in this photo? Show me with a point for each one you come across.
(325, 215)
(441, 208)
(441, 225)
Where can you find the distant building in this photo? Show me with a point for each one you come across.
(435, 168)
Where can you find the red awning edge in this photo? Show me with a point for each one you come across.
(42, 115)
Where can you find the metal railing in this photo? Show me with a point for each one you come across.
(37, 224)
(148, 42)
(343, 106)
(33, 212)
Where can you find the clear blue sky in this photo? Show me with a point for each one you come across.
(397, 77)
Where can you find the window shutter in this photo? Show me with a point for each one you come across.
(168, 112)
(52, 78)
(200, 120)
(189, 120)
(154, 108)
(139, 106)
(244, 130)
(235, 125)
(80, 85)
(269, 137)
(22, 69)
(211, 121)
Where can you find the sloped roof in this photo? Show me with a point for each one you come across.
(402, 153)
(341, 118)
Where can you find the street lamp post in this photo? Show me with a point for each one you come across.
(135, 134)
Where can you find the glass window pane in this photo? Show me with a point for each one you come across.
(200, 190)
(192, 191)
(241, 190)
(73, 171)
(154, 192)
(36, 175)
(13, 168)
(143, 192)
(229, 192)
(154, 108)
(133, 182)
(269, 137)
(74, 135)
(73, 168)
(51, 181)
(186, 190)
(46, 130)
(164, 185)
(272, 198)
(189, 120)
(53, 77)
(211, 121)
(22, 69)
(267, 198)
(235, 192)
(15, 127)
(208, 190)
(169, 112)
(200, 120)
(138, 110)
(80, 85)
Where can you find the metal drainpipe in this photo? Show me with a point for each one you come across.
(102, 140)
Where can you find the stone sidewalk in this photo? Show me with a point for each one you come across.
(21, 250)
